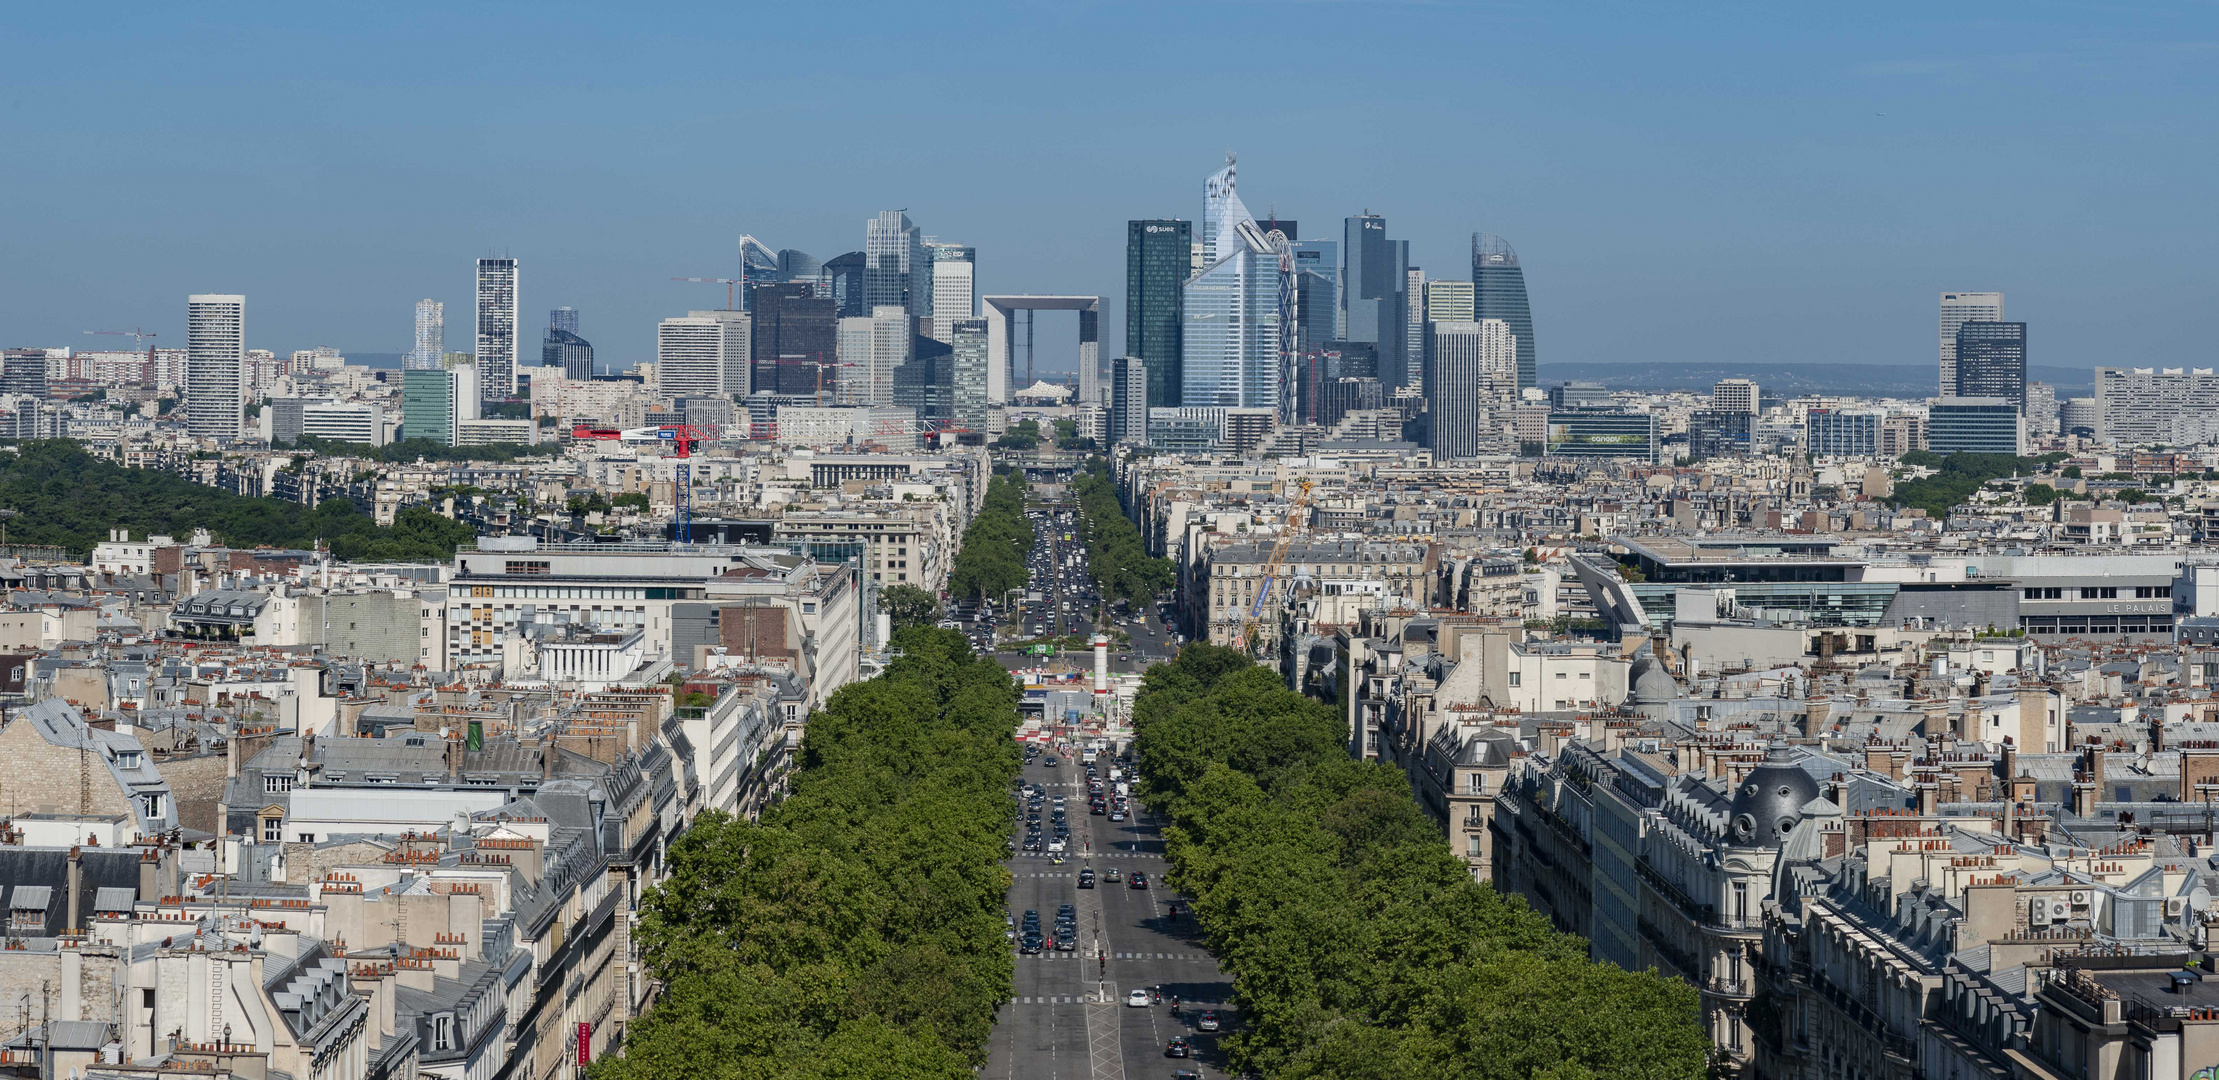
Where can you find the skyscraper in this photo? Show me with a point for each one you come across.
(431, 335)
(1471, 369)
(689, 357)
(1734, 395)
(497, 328)
(1959, 308)
(896, 270)
(797, 265)
(1414, 314)
(563, 348)
(1157, 258)
(891, 338)
(1499, 292)
(854, 345)
(1229, 355)
(1221, 209)
(1449, 301)
(215, 365)
(1991, 360)
(1317, 294)
(1374, 284)
(1128, 413)
(955, 292)
(738, 376)
(842, 278)
(971, 402)
(794, 339)
(434, 402)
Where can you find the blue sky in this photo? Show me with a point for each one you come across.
(1721, 184)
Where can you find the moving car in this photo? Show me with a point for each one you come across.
(1138, 999)
(1086, 879)
(1178, 1047)
(1137, 881)
(1209, 1021)
(1112, 875)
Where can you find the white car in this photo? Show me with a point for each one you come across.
(1055, 846)
(1137, 999)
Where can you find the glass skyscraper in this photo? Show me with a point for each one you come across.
(564, 349)
(1991, 361)
(1374, 284)
(897, 271)
(1499, 292)
(1158, 256)
(969, 401)
(1230, 352)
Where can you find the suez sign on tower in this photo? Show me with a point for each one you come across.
(1160, 228)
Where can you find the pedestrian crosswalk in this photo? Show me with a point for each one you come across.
(1067, 999)
(1198, 956)
(1082, 856)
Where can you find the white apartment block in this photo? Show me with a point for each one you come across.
(215, 365)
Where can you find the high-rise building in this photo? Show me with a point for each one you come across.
(841, 280)
(1842, 433)
(215, 365)
(927, 382)
(1374, 294)
(23, 371)
(689, 357)
(1221, 210)
(1959, 308)
(1718, 432)
(436, 402)
(1975, 425)
(496, 349)
(1449, 301)
(1471, 368)
(563, 348)
(431, 335)
(891, 339)
(798, 265)
(1991, 360)
(739, 349)
(2041, 411)
(1317, 294)
(955, 292)
(794, 339)
(1229, 352)
(854, 346)
(1157, 265)
(896, 269)
(2147, 406)
(1734, 395)
(969, 356)
(1414, 315)
(1128, 415)
(1499, 292)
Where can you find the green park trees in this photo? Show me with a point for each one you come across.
(854, 931)
(1358, 944)
(1122, 567)
(992, 558)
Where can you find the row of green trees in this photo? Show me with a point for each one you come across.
(1359, 945)
(855, 931)
(68, 498)
(992, 559)
(1119, 561)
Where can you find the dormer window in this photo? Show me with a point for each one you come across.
(276, 783)
(443, 1031)
(128, 759)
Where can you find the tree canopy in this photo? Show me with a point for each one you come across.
(992, 558)
(1958, 477)
(1023, 435)
(855, 931)
(1358, 944)
(1119, 561)
(68, 498)
(909, 605)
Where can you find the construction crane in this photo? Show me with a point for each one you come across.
(1272, 566)
(727, 282)
(138, 337)
(678, 441)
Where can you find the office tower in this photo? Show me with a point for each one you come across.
(1499, 292)
(926, 382)
(1842, 433)
(1374, 284)
(1719, 433)
(1414, 314)
(955, 293)
(1128, 414)
(1734, 395)
(1229, 352)
(435, 401)
(738, 376)
(496, 350)
(1471, 367)
(896, 270)
(854, 345)
(689, 357)
(1317, 294)
(1991, 360)
(2083, 417)
(1959, 308)
(563, 349)
(842, 281)
(1221, 211)
(1975, 425)
(1449, 301)
(215, 365)
(1090, 356)
(2041, 411)
(891, 338)
(794, 339)
(1156, 270)
(798, 265)
(970, 401)
(431, 335)
(1341, 396)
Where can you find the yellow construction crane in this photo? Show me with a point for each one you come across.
(1272, 565)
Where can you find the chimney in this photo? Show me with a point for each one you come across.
(2096, 751)
(2010, 760)
(150, 865)
(76, 887)
(2084, 796)
(547, 757)
(1927, 796)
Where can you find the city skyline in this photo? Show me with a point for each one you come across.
(1788, 209)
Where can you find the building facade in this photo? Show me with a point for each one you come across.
(1158, 255)
(215, 365)
(1499, 292)
(497, 311)
(1959, 308)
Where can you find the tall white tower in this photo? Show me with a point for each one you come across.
(431, 336)
(215, 365)
(1959, 308)
(496, 348)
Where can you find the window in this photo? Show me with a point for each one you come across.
(2091, 592)
(276, 783)
(443, 1032)
(1514, 677)
(1471, 847)
(1561, 676)
(127, 759)
(27, 919)
(1741, 902)
(306, 838)
(152, 805)
(529, 566)
(1475, 784)
(273, 830)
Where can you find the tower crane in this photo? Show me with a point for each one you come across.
(138, 337)
(678, 441)
(1272, 566)
(727, 282)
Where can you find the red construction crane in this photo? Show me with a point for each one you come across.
(727, 282)
(679, 441)
(138, 337)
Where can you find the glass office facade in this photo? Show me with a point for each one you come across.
(1499, 292)
(1158, 257)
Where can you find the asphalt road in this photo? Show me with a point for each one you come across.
(1068, 1018)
